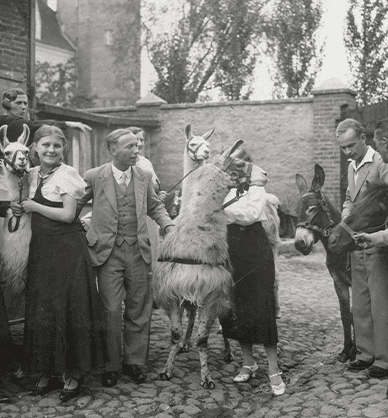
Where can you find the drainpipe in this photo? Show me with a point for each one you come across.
(31, 59)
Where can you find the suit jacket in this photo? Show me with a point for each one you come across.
(370, 172)
(101, 236)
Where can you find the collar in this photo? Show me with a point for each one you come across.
(118, 173)
(368, 158)
(44, 177)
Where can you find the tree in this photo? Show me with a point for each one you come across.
(366, 40)
(207, 44)
(57, 84)
(292, 37)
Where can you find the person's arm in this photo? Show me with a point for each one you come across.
(377, 239)
(65, 214)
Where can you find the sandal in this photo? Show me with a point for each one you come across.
(280, 388)
(244, 377)
(68, 392)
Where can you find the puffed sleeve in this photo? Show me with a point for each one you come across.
(68, 181)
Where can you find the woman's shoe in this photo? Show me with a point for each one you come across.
(66, 393)
(280, 388)
(244, 377)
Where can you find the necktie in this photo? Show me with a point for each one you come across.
(123, 181)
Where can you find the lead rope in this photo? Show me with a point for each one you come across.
(17, 222)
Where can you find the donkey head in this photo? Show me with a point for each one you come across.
(316, 215)
(15, 153)
(242, 173)
(198, 147)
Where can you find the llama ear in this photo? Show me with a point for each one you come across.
(225, 157)
(23, 138)
(188, 132)
(4, 139)
(208, 134)
(301, 183)
(237, 144)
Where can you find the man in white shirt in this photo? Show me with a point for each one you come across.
(369, 268)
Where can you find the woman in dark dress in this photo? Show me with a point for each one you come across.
(63, 331)
(253, 317)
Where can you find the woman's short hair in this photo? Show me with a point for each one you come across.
(381, 129)
(10, 96)
(48, 130)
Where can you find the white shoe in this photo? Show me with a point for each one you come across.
(244, 377)
(277, 389)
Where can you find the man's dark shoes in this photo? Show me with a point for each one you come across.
(134, 372)
(46, 384)
(4, 398)
(378, 372)
(358, 365)
(109, 379)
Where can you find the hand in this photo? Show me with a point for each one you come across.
(363, 240)
(79, 125)
(29, 206)
(17, 209)
(162, 195)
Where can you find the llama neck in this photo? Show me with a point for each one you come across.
(188, 165)
(12, 183)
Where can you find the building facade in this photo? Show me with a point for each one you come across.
(108, 67)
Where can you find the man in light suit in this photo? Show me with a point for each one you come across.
(123, 195)
(369, 267)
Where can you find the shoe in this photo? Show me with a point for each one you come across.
(109, 379)
(357, 365)
(277, 390)
(66, 393)
(4, 398)
(134, 372)
(45, 384)
(244, 377)
(378, 372)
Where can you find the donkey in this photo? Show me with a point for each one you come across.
(316, 217)
(193, 269)
(17, 233)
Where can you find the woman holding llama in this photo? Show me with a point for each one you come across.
(252, 320)
(63, 331)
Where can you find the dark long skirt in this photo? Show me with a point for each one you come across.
(252, 318)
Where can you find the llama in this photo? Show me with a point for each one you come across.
(196, 153)
(17, 233)
(193, 270)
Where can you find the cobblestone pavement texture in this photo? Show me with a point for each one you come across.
(310, 337)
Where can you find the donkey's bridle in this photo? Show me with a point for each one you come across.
(308, 223)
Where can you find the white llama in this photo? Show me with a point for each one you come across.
(17, 230)
(192, 270)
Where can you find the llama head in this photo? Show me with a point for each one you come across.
(15, 153)
(243, 173)
(197, 146)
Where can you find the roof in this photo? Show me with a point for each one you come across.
(51, 30)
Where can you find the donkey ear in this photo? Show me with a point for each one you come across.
(208, 134)
(319, 178)
(188, 132)
(301, 183)
(23, 138)
(3, 137)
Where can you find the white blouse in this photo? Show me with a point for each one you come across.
(65, 180)
(248, 209)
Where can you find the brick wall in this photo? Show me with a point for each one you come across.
(13, 44)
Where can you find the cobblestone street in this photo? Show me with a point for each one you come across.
(310, 336)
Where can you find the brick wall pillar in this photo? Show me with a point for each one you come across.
(328, 99)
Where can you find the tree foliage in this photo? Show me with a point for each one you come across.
(293, 41)
(57, 84)
(211, 45)
(366, 40)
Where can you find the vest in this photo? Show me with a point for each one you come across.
(127, 220)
